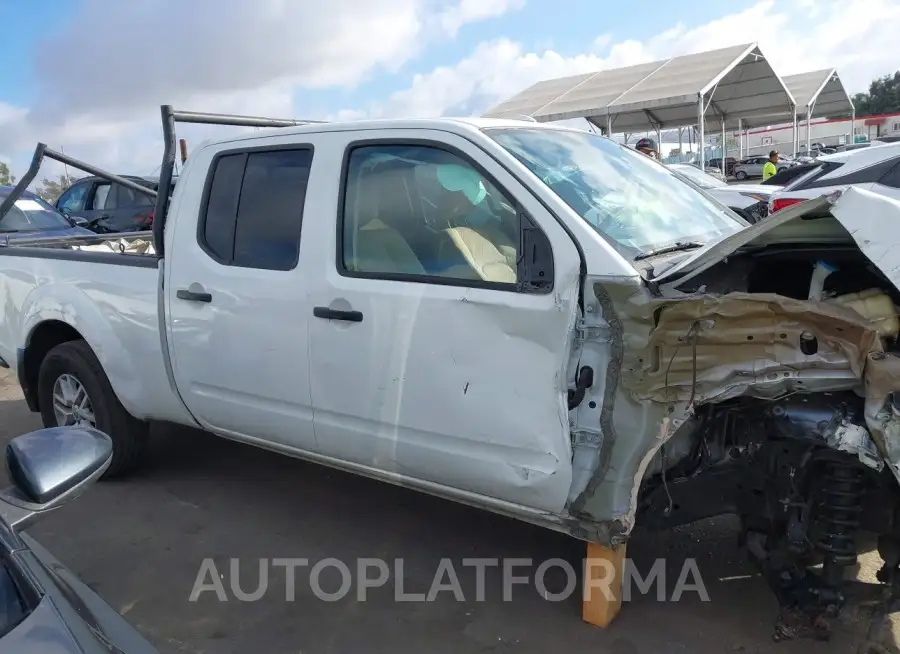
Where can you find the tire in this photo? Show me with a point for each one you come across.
(75, 359)
(741, 175)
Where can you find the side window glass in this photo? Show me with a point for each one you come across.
(420, 211)
(73, 199)
(267, 232)
(126, 198)
(892, 177)
(221, 207)
(101, 199)
(254, 209)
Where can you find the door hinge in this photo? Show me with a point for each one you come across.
(586, 332)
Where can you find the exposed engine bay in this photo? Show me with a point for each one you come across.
(785, 357)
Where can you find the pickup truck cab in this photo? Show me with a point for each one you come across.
(526, 318)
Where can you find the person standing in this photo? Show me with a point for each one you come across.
(770, 168)
(648, 147)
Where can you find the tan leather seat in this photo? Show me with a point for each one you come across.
(487, 259)
(376, 246)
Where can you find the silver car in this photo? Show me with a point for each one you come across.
(753, 167)
(750, 201)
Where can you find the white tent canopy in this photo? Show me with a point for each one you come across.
(723, 87)
(820, 92)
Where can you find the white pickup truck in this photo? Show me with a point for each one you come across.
(529, 319)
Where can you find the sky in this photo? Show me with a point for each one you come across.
(88, 76)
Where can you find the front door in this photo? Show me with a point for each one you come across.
(236, 298)
(430, 360)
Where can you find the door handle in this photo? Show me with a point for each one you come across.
(337, 314)
(193, 296)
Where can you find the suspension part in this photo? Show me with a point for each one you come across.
(840, 509)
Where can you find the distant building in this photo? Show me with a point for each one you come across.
(828, 132)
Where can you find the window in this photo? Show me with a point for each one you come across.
(892, 177)
(895, 127)
(420, 211)
(32, 214)
(73, 199)
(254, 208)
(635, 203)
(127, 198)
(102, 199)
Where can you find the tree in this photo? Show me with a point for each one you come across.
(51, 189)
(6, 179)
(883, 96)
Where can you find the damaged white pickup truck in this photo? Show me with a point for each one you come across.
(529, 319)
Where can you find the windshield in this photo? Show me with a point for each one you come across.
(637, 204)
(701, 179)
(32, 214)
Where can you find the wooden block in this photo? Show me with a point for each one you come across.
(602, 584)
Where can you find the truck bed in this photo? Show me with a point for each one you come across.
(116, 310)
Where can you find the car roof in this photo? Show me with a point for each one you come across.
(861, 157)
(5, 190)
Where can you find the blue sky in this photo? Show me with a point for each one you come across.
(538, 25)
(69, 64)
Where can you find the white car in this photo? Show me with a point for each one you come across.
(875, 168)
(750, 201)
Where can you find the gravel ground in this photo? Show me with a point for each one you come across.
(141, 542)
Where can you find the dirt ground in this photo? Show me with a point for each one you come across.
(141, 542)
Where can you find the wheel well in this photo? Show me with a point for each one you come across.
(44, 338)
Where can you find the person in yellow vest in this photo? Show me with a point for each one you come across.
(769, 168)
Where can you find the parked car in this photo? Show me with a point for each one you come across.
(750, 201)
(876, 169)
(31, 217)
(730, 163)
(523, 317)
(43, 606)
(107, 207)
(753, 167)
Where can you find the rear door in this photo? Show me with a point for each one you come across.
(129, 210)
(431, 360)
(237, 300)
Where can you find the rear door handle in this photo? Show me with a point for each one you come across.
(337, 314)
(193, 296)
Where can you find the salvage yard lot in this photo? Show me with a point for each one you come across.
(140, 543)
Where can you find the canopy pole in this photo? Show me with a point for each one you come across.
(794, 138)
(740, 138)
(852, 123)
(608, 126)
(702, 136)
(724, 148)
(808, 131)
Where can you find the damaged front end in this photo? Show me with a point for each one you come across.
(758, 377)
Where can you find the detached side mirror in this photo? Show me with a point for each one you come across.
(50, 467)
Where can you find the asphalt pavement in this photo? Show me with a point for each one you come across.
(142, 542)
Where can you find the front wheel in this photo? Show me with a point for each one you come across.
(74, 390)
(741, 175)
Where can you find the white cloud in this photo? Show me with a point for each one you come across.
(854, 38)
(253, 58)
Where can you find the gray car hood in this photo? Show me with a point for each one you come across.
(847, 216)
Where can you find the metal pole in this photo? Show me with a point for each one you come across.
(702, 136)
(608, 126)
(853, 124)
(808, 131)
(740, 138)
(794, 138)
(724, 147)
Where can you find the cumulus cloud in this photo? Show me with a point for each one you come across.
(253, 58)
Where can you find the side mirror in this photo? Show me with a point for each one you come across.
(50, 467)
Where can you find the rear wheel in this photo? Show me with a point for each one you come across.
(74, 390)
(741, 175)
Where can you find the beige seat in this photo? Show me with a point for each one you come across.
(376, 246)
(488, 259)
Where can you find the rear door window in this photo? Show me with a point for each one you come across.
(254, 208)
